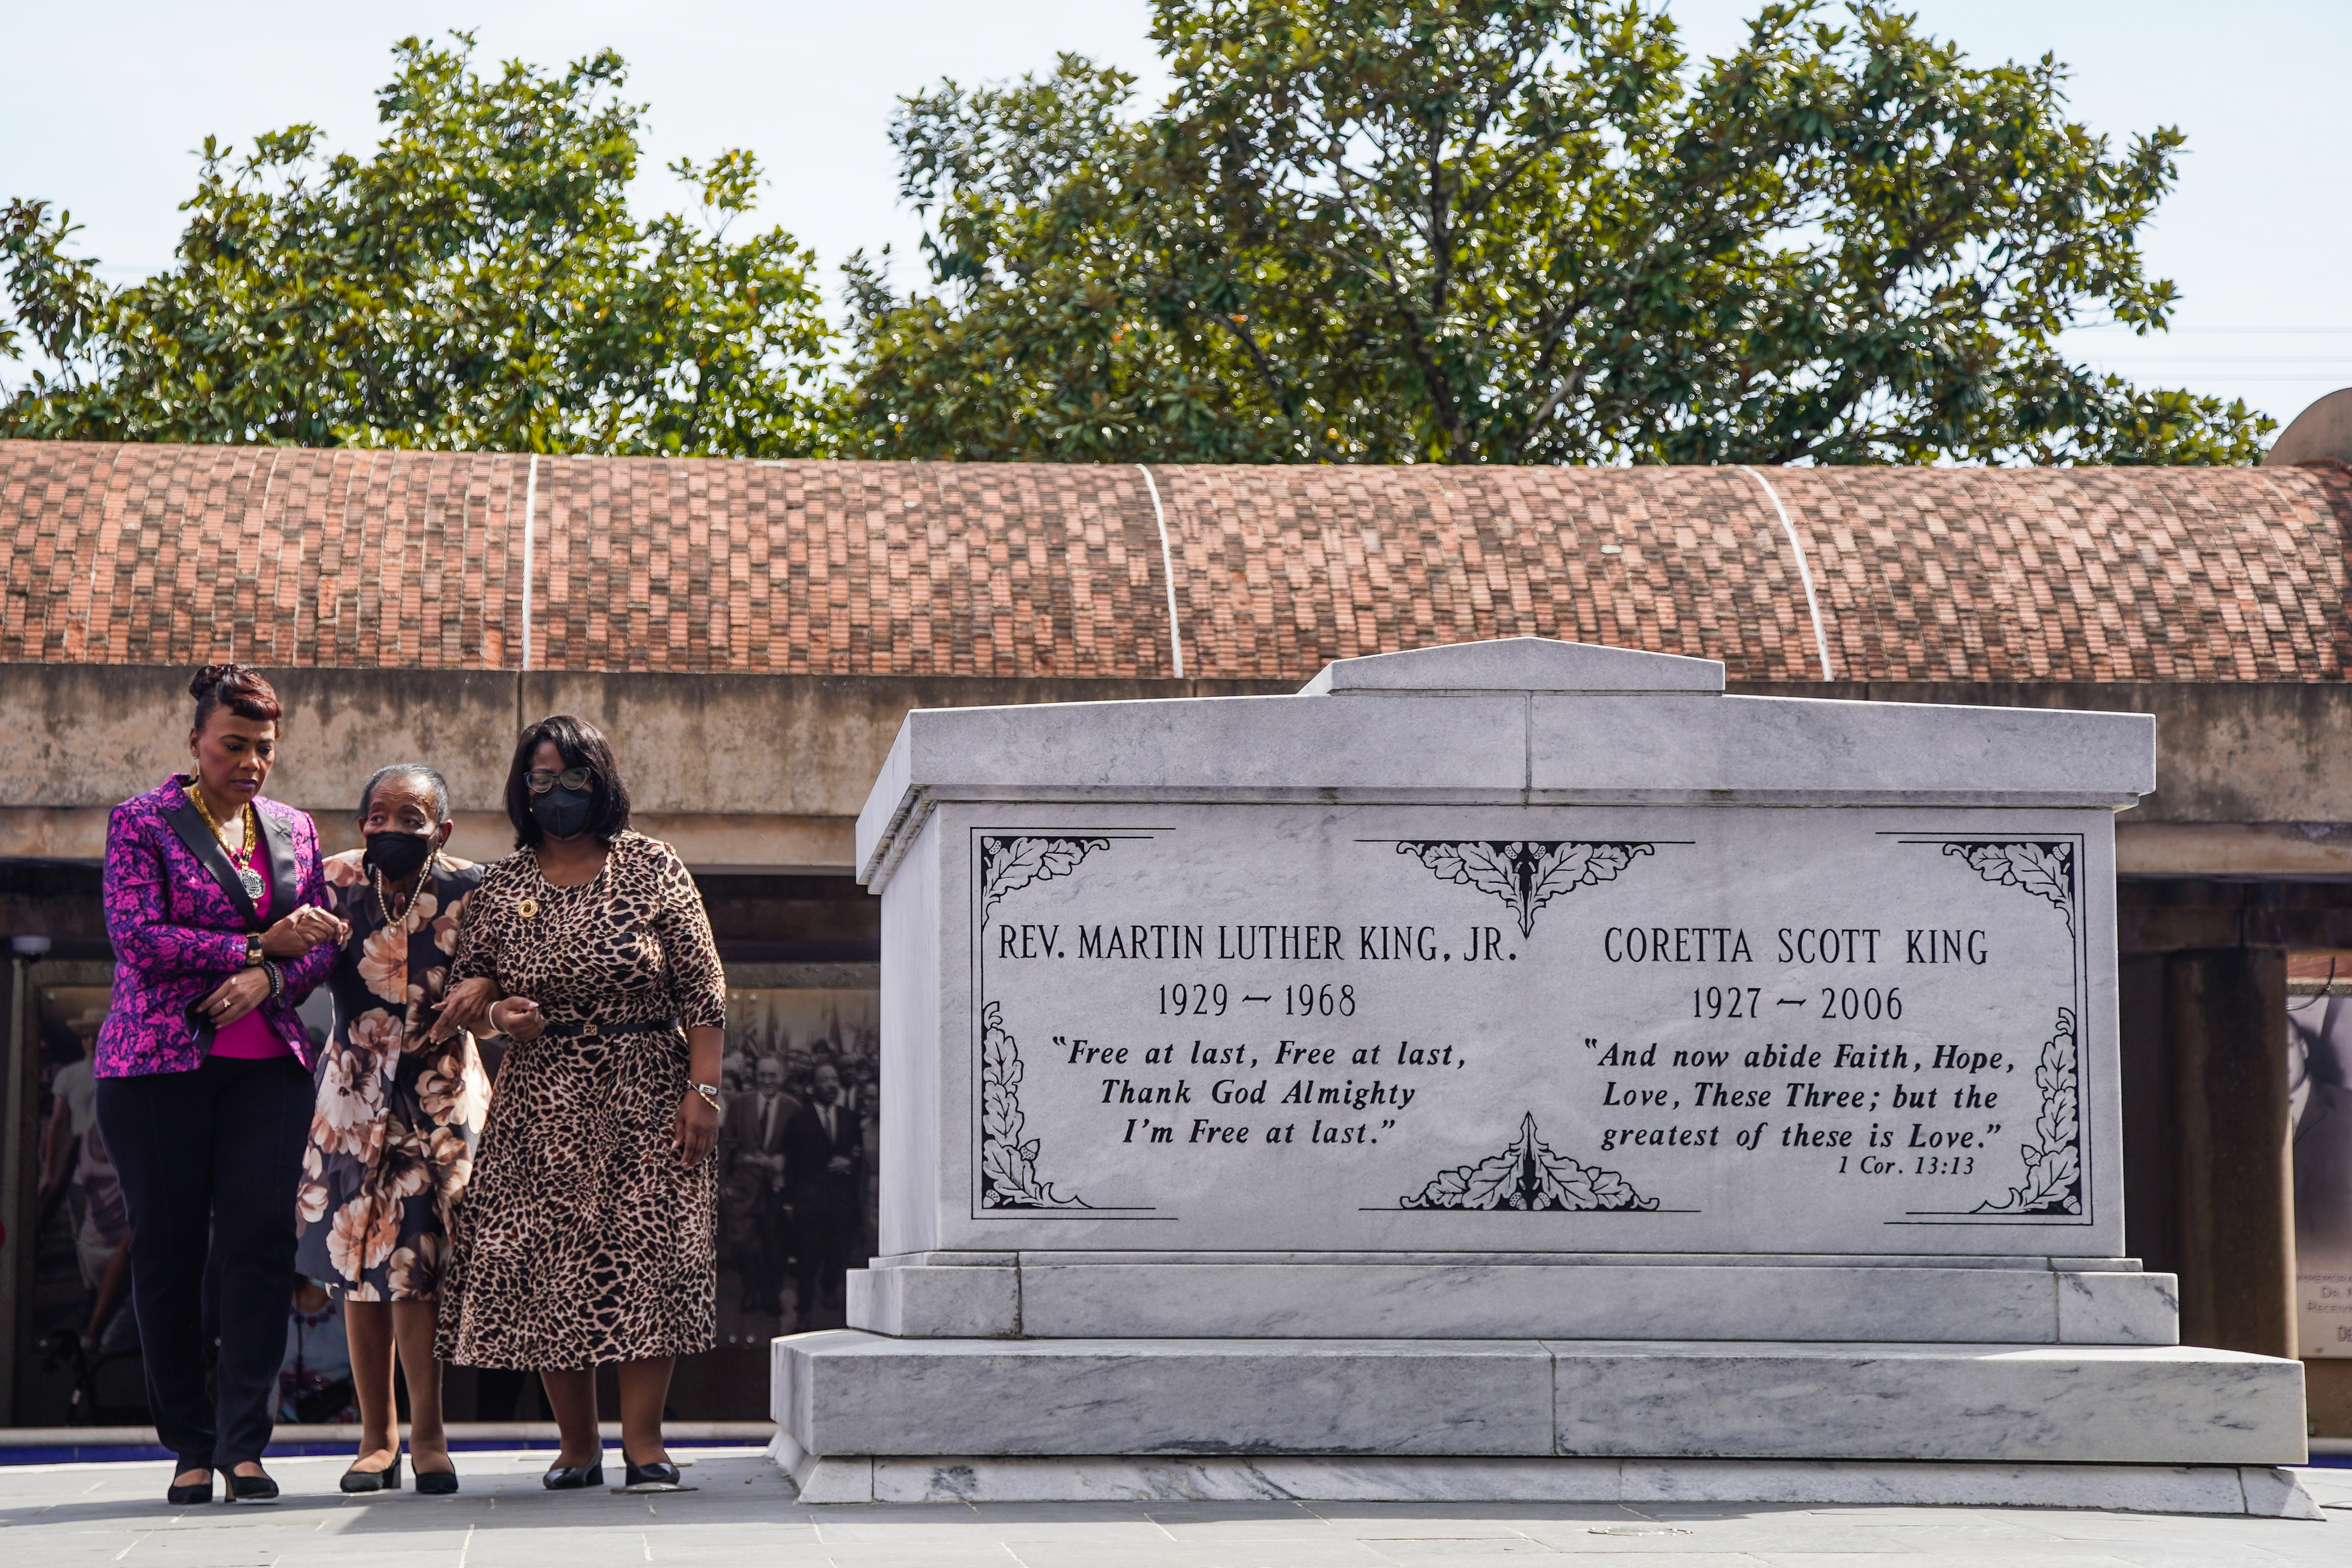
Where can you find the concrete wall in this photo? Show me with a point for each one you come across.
(2250, 777)
(770, 771)
(762, 771)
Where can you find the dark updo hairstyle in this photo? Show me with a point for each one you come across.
(582, 744)
(236, 688)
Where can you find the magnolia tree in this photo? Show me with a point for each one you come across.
(477, 283)
(1463, 231)
(1523, 231)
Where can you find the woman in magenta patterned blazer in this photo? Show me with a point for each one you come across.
(215, 902)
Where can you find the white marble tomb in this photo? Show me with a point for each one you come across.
(1520, 1051)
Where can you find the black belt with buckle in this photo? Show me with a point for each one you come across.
(597, 1030)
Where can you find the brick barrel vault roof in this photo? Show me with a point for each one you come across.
(146, 554)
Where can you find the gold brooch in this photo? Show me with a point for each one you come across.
(527, 907)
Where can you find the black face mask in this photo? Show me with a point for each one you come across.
(563, 813)
(397, 854)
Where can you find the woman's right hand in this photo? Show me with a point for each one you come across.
(517, 1018)
(236, 997)
(467, 1007)
(301, 930)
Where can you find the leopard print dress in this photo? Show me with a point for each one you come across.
(580, 1240)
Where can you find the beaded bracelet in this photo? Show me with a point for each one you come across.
(277, 979)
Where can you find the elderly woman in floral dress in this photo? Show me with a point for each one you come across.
(392, 1145)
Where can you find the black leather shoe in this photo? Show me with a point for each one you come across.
(385, 1479)
(251, 1488)
(660, 1473)
(574, 1477)
(436, 1483)
(195, 1492)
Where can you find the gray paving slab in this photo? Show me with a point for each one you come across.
(744, 1514)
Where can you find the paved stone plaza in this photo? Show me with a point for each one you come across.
(744, 1515)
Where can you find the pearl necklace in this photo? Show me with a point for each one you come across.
(423, 875)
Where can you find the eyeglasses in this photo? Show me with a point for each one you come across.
(541, 779)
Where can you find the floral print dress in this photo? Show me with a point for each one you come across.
(391, 1141)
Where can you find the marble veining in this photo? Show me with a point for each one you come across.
(846, 1392)
(849, 1392)
(2086, 1403)
(2257, 1490)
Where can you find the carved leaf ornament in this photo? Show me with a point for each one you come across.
(1008, 1161)
(2045, 871)
(1525, 874)
(2054, 1164)
(1529, 1175)
(1008, 864)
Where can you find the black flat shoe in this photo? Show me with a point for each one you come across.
(574, 1477)
(436, 1483)
(251, 1488)
(195, 1492)
(659, 1476)
(384, 1480)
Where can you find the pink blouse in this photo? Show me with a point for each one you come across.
(250, 1038)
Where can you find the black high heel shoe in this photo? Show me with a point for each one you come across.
(436, 1483)
(384, 1480)
(251, 1488)
(659, 1476)
(575, 1477)
(180, 1496)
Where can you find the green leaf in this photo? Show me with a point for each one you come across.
(477, 282)
(1520, 231)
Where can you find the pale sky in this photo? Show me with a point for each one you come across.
(103, 105)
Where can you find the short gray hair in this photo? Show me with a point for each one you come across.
(437, 785)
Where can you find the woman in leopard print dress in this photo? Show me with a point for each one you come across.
(587, 1235)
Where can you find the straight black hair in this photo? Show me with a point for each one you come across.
(581, 744)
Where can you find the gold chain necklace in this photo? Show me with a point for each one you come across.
(240, 860)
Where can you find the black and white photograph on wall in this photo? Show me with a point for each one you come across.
(2319, 1064)
(797, 1172)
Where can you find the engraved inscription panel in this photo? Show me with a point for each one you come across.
(1571, 1030)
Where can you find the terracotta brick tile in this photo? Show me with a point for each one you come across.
(123, 554)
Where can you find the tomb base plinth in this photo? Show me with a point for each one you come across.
(862, 1416)
(2259, 1490)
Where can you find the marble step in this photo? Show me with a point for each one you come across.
(849, 1391)
(1744, 1301)
(2255, 1490)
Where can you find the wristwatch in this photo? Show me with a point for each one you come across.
(252, 948)
(708, 1092)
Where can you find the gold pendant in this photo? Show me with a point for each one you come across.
(527, 908)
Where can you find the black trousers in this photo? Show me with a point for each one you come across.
(209, 1161)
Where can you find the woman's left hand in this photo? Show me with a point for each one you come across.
(695, 1131)
(304, 929)
(467, 1007)
(238, 995)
